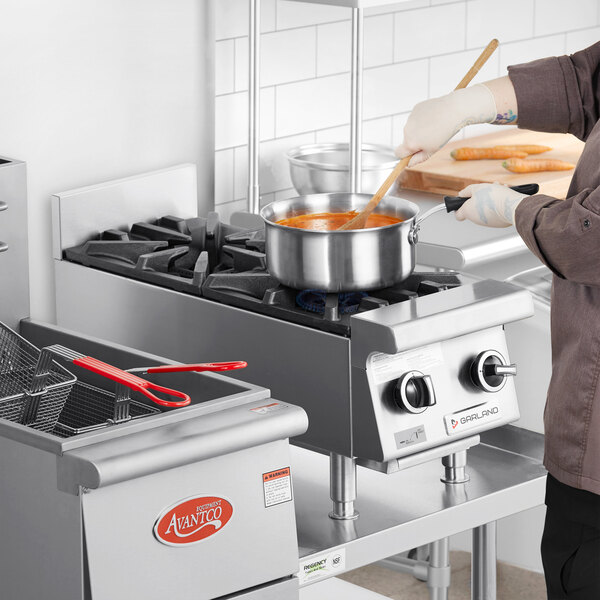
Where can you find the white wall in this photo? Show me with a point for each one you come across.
(97, 89)
(414, 50)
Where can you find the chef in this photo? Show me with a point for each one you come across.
(556, 94)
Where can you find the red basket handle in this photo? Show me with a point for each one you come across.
(132, 381)
(217, 366)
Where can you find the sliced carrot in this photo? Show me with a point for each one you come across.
(529, 148)
(531, 165)
(485, 153)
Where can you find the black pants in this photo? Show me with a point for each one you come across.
(571, 543)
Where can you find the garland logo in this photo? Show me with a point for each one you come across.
(192, 520)
(471, 418)
(479, 415)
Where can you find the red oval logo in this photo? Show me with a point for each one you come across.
(192, 520)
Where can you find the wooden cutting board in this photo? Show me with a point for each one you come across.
(441, 174)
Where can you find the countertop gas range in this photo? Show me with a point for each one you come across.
(209, 258)
(389, 378)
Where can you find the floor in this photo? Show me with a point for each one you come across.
(513, 582)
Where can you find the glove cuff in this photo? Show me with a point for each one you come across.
(476, 104)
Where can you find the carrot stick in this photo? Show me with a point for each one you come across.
(484, 153)
(518, 165)
(529, 148)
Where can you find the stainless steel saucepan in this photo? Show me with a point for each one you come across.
(344, 261)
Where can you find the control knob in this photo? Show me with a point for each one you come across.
(414, 392)
(490, 370)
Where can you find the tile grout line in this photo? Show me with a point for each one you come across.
(274, 112)
(466, 24)
(320, 130)
(393, 38)
(391, 12)
(317, 33)
(234, 66)
(466, 2)
(412, 60)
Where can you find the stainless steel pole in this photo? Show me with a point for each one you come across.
(438, 577)
(419, 569)
(254, 107)
(356, 71)
(342, 486)
(483, 567)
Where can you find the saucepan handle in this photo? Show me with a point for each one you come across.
(453, 203)
(413, 234)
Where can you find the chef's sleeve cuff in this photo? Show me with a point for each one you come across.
(526, 218)
(542, 97)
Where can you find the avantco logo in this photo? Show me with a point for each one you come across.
(471, 418)
(192, 520)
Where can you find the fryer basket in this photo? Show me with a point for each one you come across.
(89, 408)
(32, 392)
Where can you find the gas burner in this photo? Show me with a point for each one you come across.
(227, 264)
(316, 301)
(173, 252)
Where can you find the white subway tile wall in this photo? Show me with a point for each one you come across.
(413, 50)
(511, 20)
(429, 31)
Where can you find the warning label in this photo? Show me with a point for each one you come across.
(267, 408)
(277, 486)
(321, 566)
(387, 366)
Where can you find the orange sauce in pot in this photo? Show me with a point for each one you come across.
(333, 221)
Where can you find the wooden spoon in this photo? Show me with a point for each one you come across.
(360, 220)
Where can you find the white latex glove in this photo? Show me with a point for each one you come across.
(433, 122)
(490, 204)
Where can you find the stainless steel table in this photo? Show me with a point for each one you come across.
(403, 510)
(413, 507)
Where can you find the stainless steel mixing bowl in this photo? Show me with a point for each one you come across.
(325, 168)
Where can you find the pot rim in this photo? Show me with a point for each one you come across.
(294, 155)
(363, 231)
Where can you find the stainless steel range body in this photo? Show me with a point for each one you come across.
(193, 503)
(389, 378)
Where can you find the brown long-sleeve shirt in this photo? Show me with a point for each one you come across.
(562, 94)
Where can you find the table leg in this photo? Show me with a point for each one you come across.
(342, 486)
(483, 566)
(438, 576)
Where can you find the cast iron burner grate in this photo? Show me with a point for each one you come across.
(173, 252)
(227, 264)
